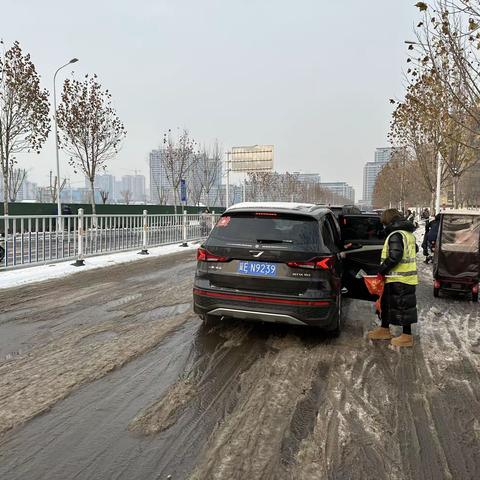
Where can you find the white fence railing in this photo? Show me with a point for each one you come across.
(30, 240)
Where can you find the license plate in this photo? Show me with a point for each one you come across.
(258, 268)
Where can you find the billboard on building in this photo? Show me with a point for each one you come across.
(255, 158)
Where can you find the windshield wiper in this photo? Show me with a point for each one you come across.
(266, 240)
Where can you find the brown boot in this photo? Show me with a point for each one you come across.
(403, 340)
(380, 333)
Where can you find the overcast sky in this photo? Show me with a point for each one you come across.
(312, 77)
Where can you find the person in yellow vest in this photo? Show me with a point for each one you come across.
(399, 272)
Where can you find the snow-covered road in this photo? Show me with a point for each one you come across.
(108, 374)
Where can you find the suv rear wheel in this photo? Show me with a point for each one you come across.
(338, 323)
(209, 320)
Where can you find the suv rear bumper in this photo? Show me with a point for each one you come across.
(314, 312)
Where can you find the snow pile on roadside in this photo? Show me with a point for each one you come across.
(39, 273)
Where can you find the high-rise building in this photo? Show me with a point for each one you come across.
(341, 189)
(371, 171)
(28, 191)
(384, 154)
(106, 183)
(161, 190)
(135, 186)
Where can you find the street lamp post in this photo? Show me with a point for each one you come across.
(59, 204)
(227, 187)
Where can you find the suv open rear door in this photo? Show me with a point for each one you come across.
(366, 235)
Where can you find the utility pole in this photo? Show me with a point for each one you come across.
(439, 181)
(227, 188)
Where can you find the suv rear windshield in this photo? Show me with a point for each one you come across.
(277, 230)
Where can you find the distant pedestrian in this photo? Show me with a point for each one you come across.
(425, 215)
(399, 273)
(205, 222)
(430, 238)
(2, 249)
(67, 211)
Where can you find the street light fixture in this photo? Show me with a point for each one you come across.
(59, 204)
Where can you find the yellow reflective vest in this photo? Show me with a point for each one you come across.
(406, 270)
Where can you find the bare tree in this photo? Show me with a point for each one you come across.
(24, 108)
(126, 196)
(419, 127)
(178, 160)
(91, 131)
(53, 187)
(274, 186)
(440, 116)
(448, 37)
(399, 185)
(209, 168)
(104, 196)
(263, 186)
(161, 194)
(15, 182)
(290, 186)
(469, 191)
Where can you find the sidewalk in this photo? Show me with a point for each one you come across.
(40, 273)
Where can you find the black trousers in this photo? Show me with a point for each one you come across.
(407, 329)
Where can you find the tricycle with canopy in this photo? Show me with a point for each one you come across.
(456, 262)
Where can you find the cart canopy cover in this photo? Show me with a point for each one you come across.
(458, 255)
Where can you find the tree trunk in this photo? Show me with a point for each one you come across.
(455, 191)
(175, 199)
(5, 193)
(92, 193)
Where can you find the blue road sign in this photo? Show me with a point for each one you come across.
(183, 190)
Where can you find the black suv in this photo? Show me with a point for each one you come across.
(286, 263)
(342, 210)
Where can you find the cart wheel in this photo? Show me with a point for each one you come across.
(475, 297)
(436, 292)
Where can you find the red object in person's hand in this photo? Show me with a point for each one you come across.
(375, 285)
(380, 277)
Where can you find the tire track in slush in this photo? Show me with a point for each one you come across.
(248, 442)
(164, 412)
(210, 396)
(48, 374)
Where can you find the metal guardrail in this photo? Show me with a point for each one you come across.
(41, 239)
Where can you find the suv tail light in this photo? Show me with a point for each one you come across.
(204, 255)
(325, 263)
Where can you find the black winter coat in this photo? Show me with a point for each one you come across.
(399, 302)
